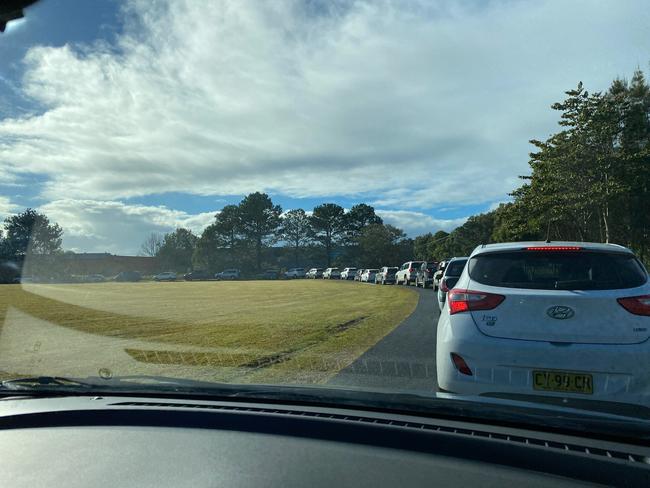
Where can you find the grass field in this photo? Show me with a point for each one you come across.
(253, 331)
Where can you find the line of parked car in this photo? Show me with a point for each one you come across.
(438, 275)
(558, 319)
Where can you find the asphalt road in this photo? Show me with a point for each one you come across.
(403, 360)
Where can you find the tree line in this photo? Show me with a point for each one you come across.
(256, 234)
(590, 181)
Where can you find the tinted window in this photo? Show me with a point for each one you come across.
(455, 268)
(558, 270)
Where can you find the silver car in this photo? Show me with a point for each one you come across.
(348, 273)
(452, 272)
(386, 275)
(368, 275)
(165, 276)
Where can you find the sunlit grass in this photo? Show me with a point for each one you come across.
(299, 331)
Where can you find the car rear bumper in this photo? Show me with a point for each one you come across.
(620, 372)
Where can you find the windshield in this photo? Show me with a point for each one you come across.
(183, 181)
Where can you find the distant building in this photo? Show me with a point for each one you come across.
(107, 264)
(70, 264)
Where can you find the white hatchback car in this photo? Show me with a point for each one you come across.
(348, 273)
(368, 275)
(569, 320)
(331, 274)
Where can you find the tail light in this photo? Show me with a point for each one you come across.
(637, 305)
(468, 301)
(443, 285)
(410, 270)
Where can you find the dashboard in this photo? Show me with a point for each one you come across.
(135, 442)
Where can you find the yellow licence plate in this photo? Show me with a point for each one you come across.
(563, 381)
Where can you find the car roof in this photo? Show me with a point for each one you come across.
(507, 246)
(463, 258)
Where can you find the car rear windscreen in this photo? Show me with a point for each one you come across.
(582, 270)
(455, 268)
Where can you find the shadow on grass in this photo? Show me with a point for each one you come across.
(110, 324)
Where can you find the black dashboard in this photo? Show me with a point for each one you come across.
(136, 442)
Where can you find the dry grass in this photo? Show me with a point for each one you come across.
(284, 331)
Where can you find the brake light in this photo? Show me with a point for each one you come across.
(460, 364)
(443, 285)
(637, 305)
(410, 270)
(553, 248)
(468, 301)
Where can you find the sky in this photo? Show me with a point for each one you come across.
(122, 118)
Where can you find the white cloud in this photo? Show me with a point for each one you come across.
(7, 207)
(417, 223)
(116, 227)
(428, 104)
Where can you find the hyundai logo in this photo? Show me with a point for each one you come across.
(560, 312)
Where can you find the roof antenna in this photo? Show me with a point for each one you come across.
(548, 232)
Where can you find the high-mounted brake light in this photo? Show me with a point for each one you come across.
(468, 301)
(553, 248)
(637, 305)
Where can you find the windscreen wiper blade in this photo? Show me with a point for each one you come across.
(32, 382)
(53, 383)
